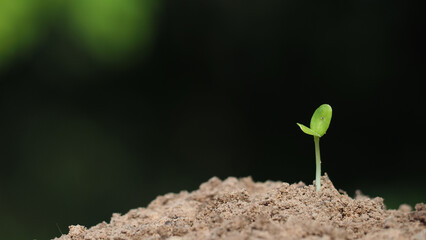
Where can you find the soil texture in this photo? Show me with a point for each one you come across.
(243, 209)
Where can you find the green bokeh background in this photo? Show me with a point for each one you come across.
(105, 104)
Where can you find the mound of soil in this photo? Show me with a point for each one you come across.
(243, 209)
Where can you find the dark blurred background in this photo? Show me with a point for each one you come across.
(105, 104)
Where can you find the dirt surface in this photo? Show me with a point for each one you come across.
(243, 209)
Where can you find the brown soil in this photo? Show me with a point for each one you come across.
(243, 209)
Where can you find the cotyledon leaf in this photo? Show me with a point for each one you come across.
(308, 130)
(321, 118)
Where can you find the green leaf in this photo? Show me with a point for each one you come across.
(321, 119)
(308, 130)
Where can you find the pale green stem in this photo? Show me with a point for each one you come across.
(318, 161)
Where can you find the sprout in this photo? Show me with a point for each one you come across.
(319, 125)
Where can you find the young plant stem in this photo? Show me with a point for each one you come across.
(318, 161)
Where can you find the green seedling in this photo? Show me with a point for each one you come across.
(319, 125)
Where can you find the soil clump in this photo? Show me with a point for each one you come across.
(243, 209)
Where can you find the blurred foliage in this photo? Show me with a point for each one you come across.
(109, 30)
(19, 28)
(112, 29)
